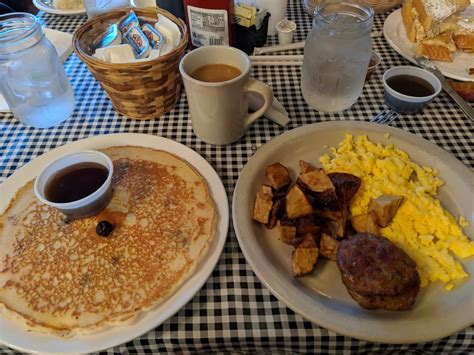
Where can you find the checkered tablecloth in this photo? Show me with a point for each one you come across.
(234, 312)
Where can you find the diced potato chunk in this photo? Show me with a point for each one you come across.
(276, 213)
(365, 223)
(306, 167)
(385, 207)
(328, 247)
(263, 204)
(316, 180)
(308, 224)
(336, 221)
(277, 175)
(287, 231)
(297, 204)
(346, 186)
(305, 255)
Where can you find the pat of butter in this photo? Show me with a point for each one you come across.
(169, 30)
(244, 15)
(122, 53)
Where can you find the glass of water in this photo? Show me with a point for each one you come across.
(336, 55)
(33, 81)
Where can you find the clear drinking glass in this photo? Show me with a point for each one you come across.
(337, 54)
(33, 81)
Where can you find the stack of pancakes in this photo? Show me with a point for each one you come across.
(59, 276)
(376, 273)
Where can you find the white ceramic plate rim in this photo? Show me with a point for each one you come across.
(13, 335)
(285, 289)
(403, 46)
(51, 10)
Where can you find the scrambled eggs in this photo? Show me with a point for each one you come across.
(421, 226)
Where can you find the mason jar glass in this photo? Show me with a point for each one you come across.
(33, 81)
(337, 54)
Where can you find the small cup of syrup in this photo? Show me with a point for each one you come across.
(78, 184)
(408, 89)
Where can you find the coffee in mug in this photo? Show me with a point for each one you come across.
(215, 73)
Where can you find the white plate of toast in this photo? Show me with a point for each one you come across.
(395, 34)
(50, 7)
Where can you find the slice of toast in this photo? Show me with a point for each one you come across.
(438, 47)
(432, 13)
(464, 34)
(414, 29)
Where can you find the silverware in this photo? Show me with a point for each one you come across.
(428, 65)
(387, 116)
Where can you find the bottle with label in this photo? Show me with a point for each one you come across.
(209, 22)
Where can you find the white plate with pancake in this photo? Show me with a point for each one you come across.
(321, 296)
(48, 7)
(395, 34)
(14, 334)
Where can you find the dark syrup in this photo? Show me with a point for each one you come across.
(75, 182)
(410, 85)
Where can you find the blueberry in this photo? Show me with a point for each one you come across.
(104, 228)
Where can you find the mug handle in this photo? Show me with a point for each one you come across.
(267, 93)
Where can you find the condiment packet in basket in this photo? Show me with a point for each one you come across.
(112, 37)
(139, 42)
(128, 22)
(169, 30)
(122, 53)
(154, 37)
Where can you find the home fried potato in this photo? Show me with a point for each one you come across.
(385, 207)
(305, 256)
(328, 246)
(365, 223)
(277, 212)
(346, 186)
(277, 175)
(311, 215)
(263, 204)
(306, 167)
(297, 204)
(308, 224)
(287, 231)
(336, 221)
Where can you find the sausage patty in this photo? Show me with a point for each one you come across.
(373, 266)
(398, 302)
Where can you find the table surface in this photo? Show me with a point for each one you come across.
(234, 311)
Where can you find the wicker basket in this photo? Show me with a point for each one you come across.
(141, 90)
(379, 6)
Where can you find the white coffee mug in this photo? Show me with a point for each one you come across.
(219, 110)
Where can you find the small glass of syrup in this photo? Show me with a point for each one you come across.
(78, 184)
(408, 89)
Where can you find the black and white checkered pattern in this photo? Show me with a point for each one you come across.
(234, 312)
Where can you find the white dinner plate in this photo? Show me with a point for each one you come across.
(396, 36)
(15, 336)
(321, 296)
(47, 6)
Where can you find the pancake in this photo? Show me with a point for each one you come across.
(59, 277)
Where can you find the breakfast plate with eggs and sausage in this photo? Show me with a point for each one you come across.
(364, 229)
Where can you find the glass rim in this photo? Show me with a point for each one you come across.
(16, 28)
(358, 4)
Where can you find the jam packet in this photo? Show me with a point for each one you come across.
(128, 22)
(154, 37)
(112, 37)
(139, 42)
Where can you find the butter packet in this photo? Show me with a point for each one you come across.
(139, 42)
(154, 37)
